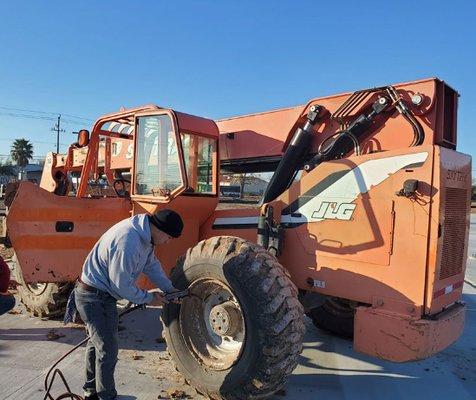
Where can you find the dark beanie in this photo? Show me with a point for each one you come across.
(167, 221)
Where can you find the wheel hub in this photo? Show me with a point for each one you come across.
(212, 324)
(225, 319)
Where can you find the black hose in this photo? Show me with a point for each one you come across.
(419, 135)
(418, 132)
(68, 394)
(328, 152)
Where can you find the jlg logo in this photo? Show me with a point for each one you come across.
(334, 210)
(457, 176)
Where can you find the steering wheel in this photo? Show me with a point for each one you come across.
(119, 186)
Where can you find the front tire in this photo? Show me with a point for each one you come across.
(42, 299)
(239, 334)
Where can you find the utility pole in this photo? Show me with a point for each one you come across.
(57, 129)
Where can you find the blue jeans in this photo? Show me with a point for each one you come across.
(98, 310)
(7, 302)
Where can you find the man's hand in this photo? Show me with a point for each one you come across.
(158, 299)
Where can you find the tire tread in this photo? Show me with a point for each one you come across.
(281, 323)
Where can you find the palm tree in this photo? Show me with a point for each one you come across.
(21, 152)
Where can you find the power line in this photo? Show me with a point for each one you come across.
(45, 112)
(40, 117)
(33, 141)
(10, 114)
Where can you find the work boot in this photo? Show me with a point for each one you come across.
(92, 397)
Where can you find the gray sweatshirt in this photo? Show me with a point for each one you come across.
(118, 258)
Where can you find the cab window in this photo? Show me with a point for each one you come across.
(157, 159)
(198, 153)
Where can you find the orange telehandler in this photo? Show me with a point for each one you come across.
(363, 227)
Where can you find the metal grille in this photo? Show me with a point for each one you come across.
(454, 230)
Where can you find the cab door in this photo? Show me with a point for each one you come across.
(175, 167)
(159, 173)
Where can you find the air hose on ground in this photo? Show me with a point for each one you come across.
(168, 297)
(57, 372)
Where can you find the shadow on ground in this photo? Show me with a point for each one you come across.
(329, 368)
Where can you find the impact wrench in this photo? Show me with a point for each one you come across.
(169, 297)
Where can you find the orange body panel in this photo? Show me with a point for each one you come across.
(257, 135)
(45, 254)
(393, 337)
(246, 231)
(372, 249)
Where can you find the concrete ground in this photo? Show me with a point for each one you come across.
(328, 367)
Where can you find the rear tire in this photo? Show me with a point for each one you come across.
(252, 350)
(335, 316)
(44, 300)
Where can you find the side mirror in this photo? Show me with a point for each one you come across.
(83, 138)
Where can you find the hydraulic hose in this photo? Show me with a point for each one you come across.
(418, 133)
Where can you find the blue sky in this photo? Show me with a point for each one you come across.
(221, 58)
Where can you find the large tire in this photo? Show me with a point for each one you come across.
(252, 350)
(46, 300)
(335, 316)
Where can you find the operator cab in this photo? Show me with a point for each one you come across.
(152, 154)
(174, 153)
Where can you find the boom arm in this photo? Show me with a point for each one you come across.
(420, 112)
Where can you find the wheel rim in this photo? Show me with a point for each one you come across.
(212, 324)
(36, 288)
